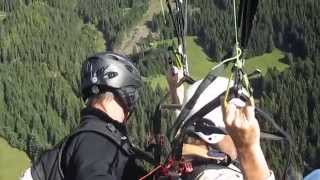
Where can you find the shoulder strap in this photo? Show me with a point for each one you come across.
(107, 130)
(190, 104)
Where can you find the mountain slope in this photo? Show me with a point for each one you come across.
(13, 162)
(140, 30)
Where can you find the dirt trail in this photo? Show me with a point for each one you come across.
(139, 31)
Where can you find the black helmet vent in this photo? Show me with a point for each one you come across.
(111, 75)
(129, 68)
(94, 58)
(114, 57)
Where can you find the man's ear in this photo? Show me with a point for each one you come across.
(108, 97)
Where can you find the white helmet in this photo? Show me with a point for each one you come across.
(211, 127)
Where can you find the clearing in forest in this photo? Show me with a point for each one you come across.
(200, 64)
(13, 162)
(139, 31)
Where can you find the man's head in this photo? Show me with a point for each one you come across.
(110, 104)
(211, 127)
(110, 81)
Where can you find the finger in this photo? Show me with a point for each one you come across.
(230, 114)
(249, 113)
(170, 73)
(173, 71)
(238, 120)
(238, 102)
(251, 101)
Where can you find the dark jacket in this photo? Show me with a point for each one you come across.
(91, 156)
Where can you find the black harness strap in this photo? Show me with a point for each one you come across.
(105, 129)
(175, 23)
(205, 109)
(190, 104)
(182, 118)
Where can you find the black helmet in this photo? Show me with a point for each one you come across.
(111, 72)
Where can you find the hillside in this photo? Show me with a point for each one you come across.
(44, 42)
(140, 30)
(13, 162)
(39, 75)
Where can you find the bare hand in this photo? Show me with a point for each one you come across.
(174, 75)
(242, 125)
(244, 130)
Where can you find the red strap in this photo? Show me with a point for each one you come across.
(185, 167)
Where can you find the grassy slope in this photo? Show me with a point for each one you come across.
(199, 64)
(140, 30)
(13, 162)
(2, 15)
(266, 61)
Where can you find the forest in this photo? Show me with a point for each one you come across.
(44, 42)
(288, 25)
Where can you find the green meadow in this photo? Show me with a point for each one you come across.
(200, 63)
(13, 162)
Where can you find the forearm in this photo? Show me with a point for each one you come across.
(253, 163)
(176, 94)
